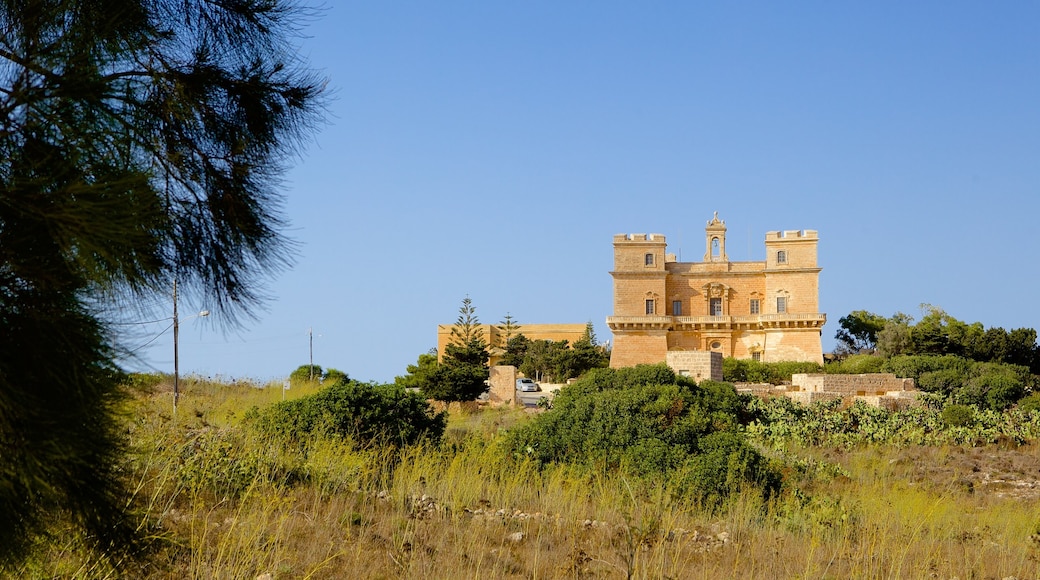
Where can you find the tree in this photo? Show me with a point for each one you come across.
(894, 338)
(463, 373)
(142, 144)
(555, 361)
(859, 330)
(587, 354)
(516, 350)
(547, 360)
(422, 373)
(467, 326)
(507, 329)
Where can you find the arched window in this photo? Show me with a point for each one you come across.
(648, 259)
(781, 257)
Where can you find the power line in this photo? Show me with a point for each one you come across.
(154, 338)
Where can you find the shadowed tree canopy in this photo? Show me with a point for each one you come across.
(141, 142)
(859, 331)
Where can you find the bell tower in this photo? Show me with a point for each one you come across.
(715, 240)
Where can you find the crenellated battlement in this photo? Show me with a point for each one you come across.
(622, 238)
(793, 234)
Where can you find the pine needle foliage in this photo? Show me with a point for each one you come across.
(141, 142)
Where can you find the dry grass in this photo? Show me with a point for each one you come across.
(463, 511)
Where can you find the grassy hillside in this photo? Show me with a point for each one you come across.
(220, 499)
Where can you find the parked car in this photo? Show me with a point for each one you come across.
(527, 386)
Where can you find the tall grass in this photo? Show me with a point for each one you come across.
(220, 501)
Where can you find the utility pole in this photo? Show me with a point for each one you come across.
(310, 334)
(176, 350)
(176, 362)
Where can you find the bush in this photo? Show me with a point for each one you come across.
(944, 381)
(648, 421)
(1030, 404)
(1001, 389)
(368, 413)
(913, 366)
(958, 415)
(726, 462)
(777, 373)
(856, 364)
(305, 373)
(333, 376)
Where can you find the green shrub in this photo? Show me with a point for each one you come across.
(333, 376)
(726, 462)
(305, 373)
(958, 415)
(1001, 388)
(856, 364)
(648, 421)
(1030, 404)
(368, 413)
(777, 373)
(735, 370)
(780, 372)
(913, 366)
(943, 381)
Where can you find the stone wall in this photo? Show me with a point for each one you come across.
(503, 385)
(699, 365)
(872, 384)
(883, 390)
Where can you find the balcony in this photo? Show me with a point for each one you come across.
(639, 322)
(702, 323)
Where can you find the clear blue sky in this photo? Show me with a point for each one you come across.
(493, 149)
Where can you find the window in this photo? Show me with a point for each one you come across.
(650, 306)
(756, 306)
(781, 257)
(756, 356)
(781, 304)
(677, 308)
(648, 259)
(715, 307)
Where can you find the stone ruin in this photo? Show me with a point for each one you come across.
(883, 390)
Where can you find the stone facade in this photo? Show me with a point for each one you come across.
(767, 310)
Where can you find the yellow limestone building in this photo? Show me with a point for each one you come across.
(766, 311)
